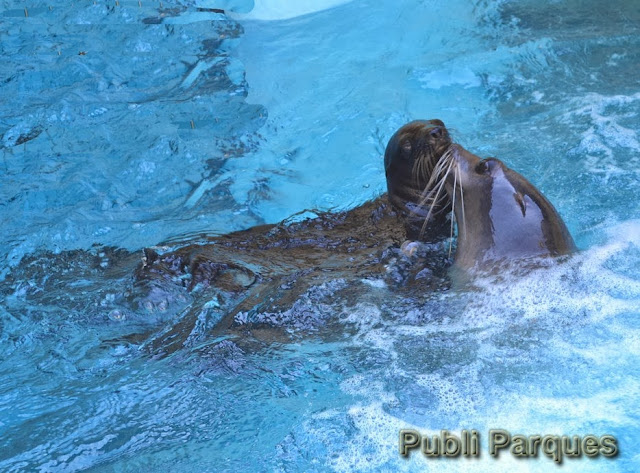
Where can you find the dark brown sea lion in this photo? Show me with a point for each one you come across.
(269, 267)
(500, 215)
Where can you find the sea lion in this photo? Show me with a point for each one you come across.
(500, 215)
(246, 276)
(266, 269)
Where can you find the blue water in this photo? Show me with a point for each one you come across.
(133, 124)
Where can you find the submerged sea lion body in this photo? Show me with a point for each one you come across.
(268, 269)
(244, 281)
(500, 215)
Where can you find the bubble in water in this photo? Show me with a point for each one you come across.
(117, 315)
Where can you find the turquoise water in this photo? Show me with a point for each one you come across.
(132, 124)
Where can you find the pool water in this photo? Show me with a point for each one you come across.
(127, 124)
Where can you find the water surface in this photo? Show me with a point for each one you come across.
(124, 126)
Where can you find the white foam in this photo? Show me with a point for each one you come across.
(606, 134)
(375, 446)
(457, 395)
(560, 415)
(560, 304)
(372, 330)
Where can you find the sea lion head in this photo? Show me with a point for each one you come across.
(409, 160)
(500, 215)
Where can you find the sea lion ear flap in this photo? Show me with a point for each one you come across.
(406, 148)
(521, 202)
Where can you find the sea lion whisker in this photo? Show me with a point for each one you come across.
(433, 202)
(433, 189)
(426, 197)
(422, 167)
(453, 205)
(441, 183)
(426, 166)
(442, 162)
(420, 170)
(416, 172)
(437, 174)
(464, 223)
(435, 171)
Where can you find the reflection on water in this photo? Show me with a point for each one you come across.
(125, 126)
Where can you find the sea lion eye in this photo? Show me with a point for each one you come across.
(483, 167)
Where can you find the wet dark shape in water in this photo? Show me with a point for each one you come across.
(257, 277)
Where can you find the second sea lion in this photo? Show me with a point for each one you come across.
(500, 215)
